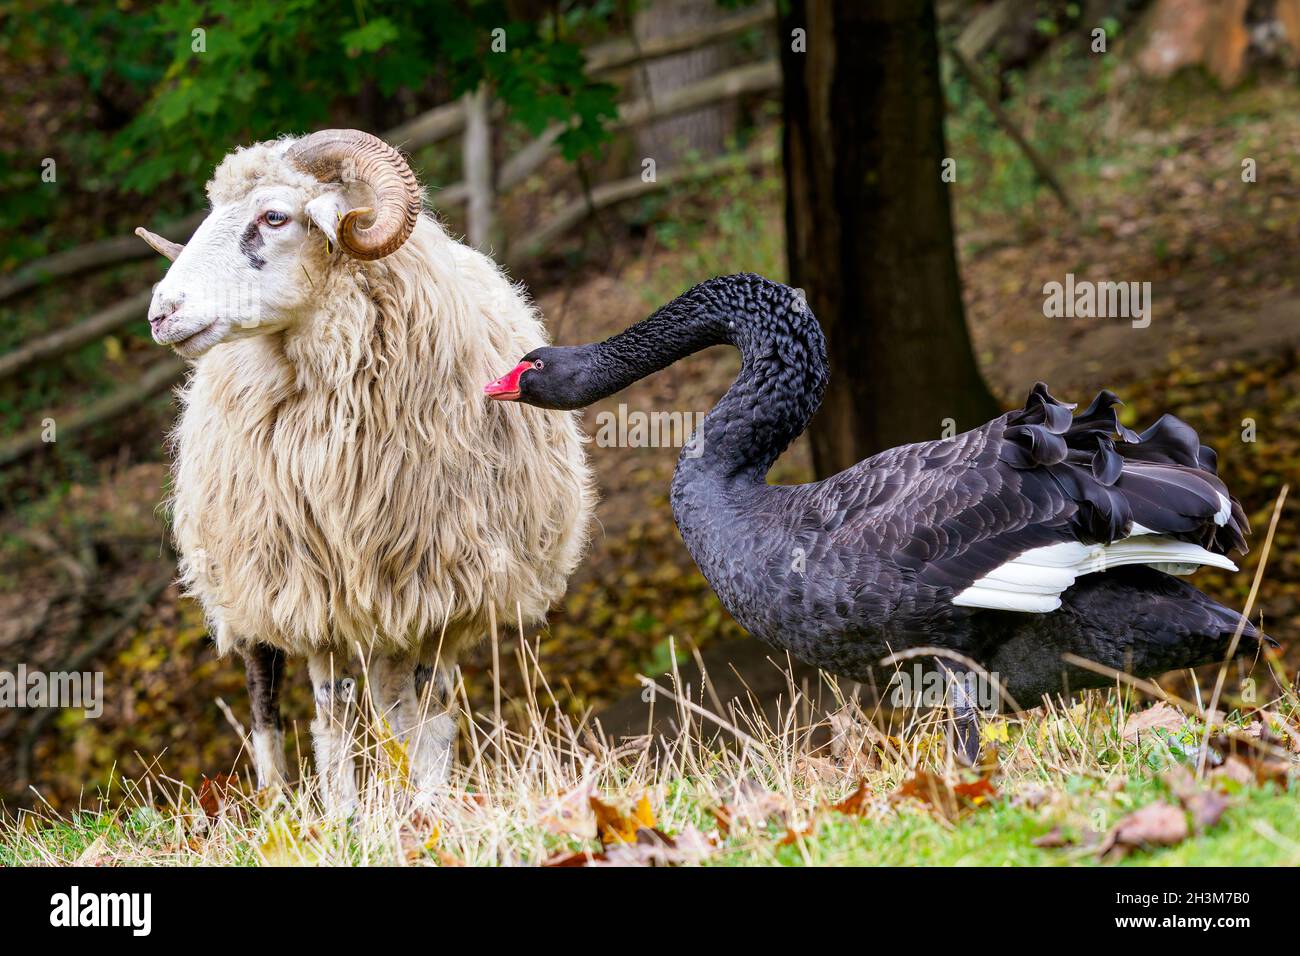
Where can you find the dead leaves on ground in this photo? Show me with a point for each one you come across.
(1159, 716)
(1193, 809)
(1163, 823)
(749, 806)
(628, 836)
(219, 795)
(946, 797)
(1251, 757)
(1156, 824)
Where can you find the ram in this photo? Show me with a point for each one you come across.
(342, 489)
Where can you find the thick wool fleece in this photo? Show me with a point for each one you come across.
(344, 482)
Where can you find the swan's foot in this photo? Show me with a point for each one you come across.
(966, 736)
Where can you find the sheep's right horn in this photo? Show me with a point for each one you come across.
(348, 154)
(164, 247)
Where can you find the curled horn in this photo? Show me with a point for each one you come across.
(334, 155)
(164, 247)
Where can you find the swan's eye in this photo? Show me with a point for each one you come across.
(273, 217)
(538, 365)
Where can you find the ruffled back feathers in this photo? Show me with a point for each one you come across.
(1161, 481)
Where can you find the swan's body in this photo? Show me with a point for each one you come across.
(1032, 536)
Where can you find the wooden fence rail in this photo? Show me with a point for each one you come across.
(65, 340)
(427, 129)
(751, 78)
(471, 117)
(159, 376)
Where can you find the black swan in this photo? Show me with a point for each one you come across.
(1036, 535)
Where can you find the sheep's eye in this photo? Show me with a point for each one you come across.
(274, 217)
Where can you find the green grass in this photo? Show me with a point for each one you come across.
(765, 798)
(1003, 835)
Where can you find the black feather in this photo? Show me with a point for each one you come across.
(887, 544)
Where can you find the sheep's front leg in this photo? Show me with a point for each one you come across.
(264, 671)
(334, 731)
(435, 745)
(416, 706)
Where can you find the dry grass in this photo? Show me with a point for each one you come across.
(732, 785)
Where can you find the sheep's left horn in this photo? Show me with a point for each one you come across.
(347, 154)
(164, 247)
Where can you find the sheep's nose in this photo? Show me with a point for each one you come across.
(163, 309)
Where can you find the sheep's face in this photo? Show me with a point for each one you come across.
(247, 270)
(282, 212)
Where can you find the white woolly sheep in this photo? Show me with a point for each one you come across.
(341, 484)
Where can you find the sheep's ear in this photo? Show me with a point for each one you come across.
(326, 211)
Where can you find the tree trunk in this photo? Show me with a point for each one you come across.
(869, 227)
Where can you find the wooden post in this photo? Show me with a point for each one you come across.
(478, 171)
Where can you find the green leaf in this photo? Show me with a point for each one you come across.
(371, 38)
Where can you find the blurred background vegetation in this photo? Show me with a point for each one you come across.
(135, 108)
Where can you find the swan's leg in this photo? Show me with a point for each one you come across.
(333, 732)
(965, 727)
(264, 671)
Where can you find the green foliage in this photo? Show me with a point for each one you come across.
(714, 228)
(199, 76)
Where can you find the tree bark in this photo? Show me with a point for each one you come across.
(869, 227)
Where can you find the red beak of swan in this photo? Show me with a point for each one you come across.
(506, 388)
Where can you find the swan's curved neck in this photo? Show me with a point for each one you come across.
(782, 377)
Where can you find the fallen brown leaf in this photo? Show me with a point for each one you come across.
(1180, 782)
(750, 805)
(945, 796)
(855, 803)
(614, 826)
(1234, 770)
(649, 847)
(571, 858)
(1053, 838)
(570, 814)
(1157, 824)
(1159, 716)
(217, 793)
(1206, 807)
(1261, 758)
